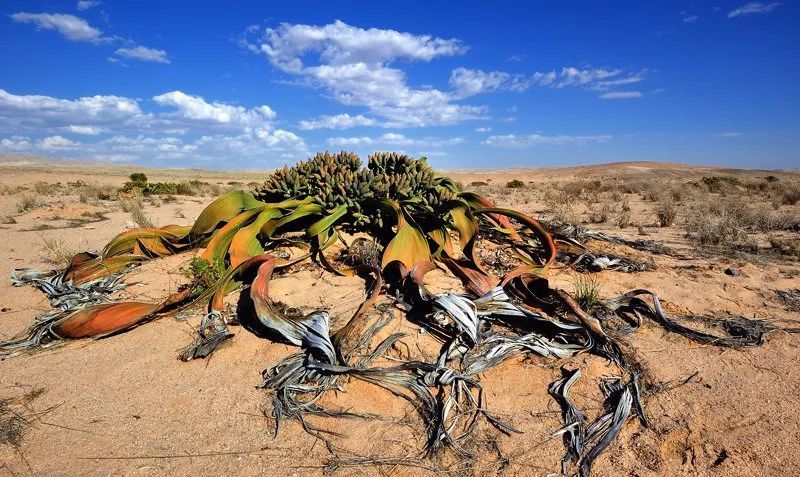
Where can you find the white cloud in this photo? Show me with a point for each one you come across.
(341, 44)
(530, 140)
(753, 7)
(37, 112)
(87, 4)
(16, 143)
(729, 134)
(57, 143)
(690, 18)
(197, 108)
(483, 129)
(85, 130)
(394, 139)
(143, 53)
(621, 95)
(353, 65)
(469, 82)
(116, 128)
(339, 121)
(571, 76)
(69, 26)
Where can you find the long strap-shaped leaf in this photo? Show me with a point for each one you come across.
(223, 209)
(409, 246)
(311, 331)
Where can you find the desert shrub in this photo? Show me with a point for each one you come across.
(666, 212)
(717, 184)
(655, 192)
(190, 188)
(168, 188)
(478, 183)
(6, 189)
(789, 195)
(785, 246)
(135, 208)
(45, 188)
(8, 220)
(90, 193)
(138, 179)
(560, 206)
(771, 179)
(515, 184)
(624, 219)
(29, 202)
(600, 216)
(717, 223)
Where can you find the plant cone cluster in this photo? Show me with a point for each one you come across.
(336, 180)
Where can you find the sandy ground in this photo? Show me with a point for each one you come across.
(125, 405)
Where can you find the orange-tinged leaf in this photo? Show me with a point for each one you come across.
(99, 320)
(543, 237)
(126, 241)
(408, 247)
(218, 247)
(475, 279)
(100, 267)
(245, 243)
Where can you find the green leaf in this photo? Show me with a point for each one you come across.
(245, 243)
(318, 227)
(223, 209)
(218, 247)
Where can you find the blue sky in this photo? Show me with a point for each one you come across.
(500, 84)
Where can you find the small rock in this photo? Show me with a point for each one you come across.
(735, 272)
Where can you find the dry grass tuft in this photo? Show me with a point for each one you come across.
(15, 417)
(55, 251)
(29, 202)
(135, 207)
(587, 291)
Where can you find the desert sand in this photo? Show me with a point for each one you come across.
(125, 405)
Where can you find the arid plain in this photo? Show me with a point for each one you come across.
(125, 405)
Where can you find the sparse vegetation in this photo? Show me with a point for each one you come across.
(92, 193)
(190, 188)
(203, 273)
(587, 291)
(138, 179)
(515, 184)
(44, 188)
(135, 207)
(55, 251)
(666, 212)
(28, 202)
